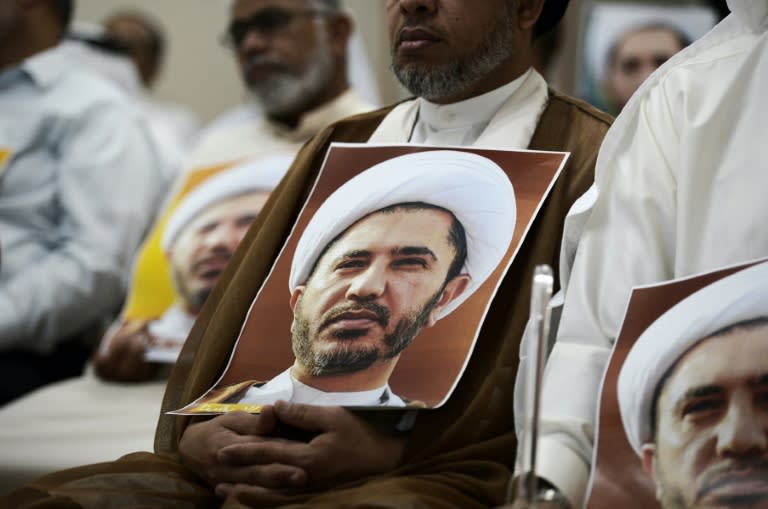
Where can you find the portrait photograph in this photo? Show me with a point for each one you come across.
(187, 249)
(380, 290)
(683, 419)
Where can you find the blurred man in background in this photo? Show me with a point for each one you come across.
(78, 187)
(635, 55)
(292, 55)
(144, 41)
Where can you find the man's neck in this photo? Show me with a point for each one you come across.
(373, 377)
(189, 309)
(25, 43)
(292, 120)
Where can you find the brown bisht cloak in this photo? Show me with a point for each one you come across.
(458, 456)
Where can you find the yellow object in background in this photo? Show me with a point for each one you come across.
(5, 155)
(151, 291)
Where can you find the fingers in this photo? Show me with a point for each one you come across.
(317, 419)
(271, 451)
(225, 490)
(124, 360)
(261, 478)
(244, 423)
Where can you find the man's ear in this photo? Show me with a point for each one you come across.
(340, 28)
(452, 290)
(649, 464)
(528, 12)
(295, 294)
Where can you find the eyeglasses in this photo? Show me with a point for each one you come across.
(267, 22)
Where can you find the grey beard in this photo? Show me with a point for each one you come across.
(435, 83)
(350, 357)
(286, 94)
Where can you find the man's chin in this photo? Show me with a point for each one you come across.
(336, 356)
(751, 495)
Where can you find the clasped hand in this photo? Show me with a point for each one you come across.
(243, 453)
(123, 358)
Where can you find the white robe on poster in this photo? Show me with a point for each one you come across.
(285, 387)
(169, 332)
(679, 190)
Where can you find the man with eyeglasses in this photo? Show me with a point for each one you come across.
(292, 56)
(469, 66)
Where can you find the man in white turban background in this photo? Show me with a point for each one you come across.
(199, 238)
(693, 394)
(391, 251)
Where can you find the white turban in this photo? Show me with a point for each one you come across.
(255, 175)
(733, 299)
(470, 186)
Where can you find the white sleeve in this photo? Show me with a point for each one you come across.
(628, 240)
(107, 187)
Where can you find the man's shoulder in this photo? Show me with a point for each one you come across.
(84, 89)
(579, 109)
(360, 126)
(570, 125)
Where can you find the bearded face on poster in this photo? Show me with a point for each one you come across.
(693, 394)
(198, 239)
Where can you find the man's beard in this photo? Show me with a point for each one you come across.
(672, 497)
(435, 83)
(348, 356)
(193, 299)
(285, 93)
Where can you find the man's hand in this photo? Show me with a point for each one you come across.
(345, 448)
(202, 444)
(123, 359)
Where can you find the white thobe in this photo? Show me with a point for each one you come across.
(503, 118)
(285, 387)
(680, 185)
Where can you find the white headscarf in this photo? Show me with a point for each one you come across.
(261, 174)
(474, 188)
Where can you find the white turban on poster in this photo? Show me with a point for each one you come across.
(474, 188)
(261, 174)
(733, 299)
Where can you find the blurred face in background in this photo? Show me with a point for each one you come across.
(635, 56)
(284, 52)
(203, 248)
(138, 40)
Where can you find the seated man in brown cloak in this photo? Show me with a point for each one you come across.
(469, 66)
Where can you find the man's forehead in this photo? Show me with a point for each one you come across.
(245, 8)
(648, 38)
(733, 358)
(128, 25)
(398, 226)
(238, 205)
